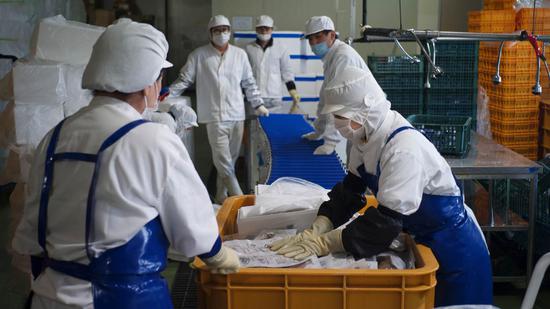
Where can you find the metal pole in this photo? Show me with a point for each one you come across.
(533, 199)
(364, 20)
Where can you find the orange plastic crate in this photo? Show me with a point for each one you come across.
(498, 4)
(514, 127)
(514, 114)
(507, 79)
(295, 288)
(530, 151)
(509, 91)
(515, 138)
(495, 21)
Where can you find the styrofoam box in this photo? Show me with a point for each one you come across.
(37, 81)
(76, 96)
(33, 121)
(299, 220)
(65, 41)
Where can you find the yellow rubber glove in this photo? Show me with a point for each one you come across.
(226, 261)
(312, 136)
(321, 225)
(262, 111)
(295, 100)
(330, 242)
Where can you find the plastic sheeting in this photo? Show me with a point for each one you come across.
(76, 96)
(64, 41)
(18, 20)
(39, 82)
(33, 121)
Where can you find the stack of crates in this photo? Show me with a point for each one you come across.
(524, 20)
(492, 21)
(498, 4)
(513, 108)
(401, 80)
(454, 93)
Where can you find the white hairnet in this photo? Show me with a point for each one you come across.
(317, 24)
(264, 21)
(355, 94)
(185, 116)
(127, 57)
(218, 20)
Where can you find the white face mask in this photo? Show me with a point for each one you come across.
(264, 37)
(148, 111)
(221, 39)
(356, 136)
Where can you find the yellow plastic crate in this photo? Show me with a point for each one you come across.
(295, 288)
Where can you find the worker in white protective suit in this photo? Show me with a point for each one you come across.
(415, 189)
(271, 66)
(220, 71)
(109, 191)
(336, 55)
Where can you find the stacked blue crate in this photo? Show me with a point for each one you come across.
(401, 80)
(454, 93)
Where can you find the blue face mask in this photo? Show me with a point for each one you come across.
(320, 49)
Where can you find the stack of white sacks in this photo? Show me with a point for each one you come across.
(41, 90)
(46, 86)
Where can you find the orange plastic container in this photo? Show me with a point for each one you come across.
(530, 151)
(514, 114)
(498, 4)
(295, 288)
(516, 138)
(495, 21)
(514, 127)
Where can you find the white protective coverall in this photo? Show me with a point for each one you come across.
(219, 80)
(272, 70)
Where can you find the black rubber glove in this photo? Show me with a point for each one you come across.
(342, 205)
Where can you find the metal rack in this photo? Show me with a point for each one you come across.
(489, 160)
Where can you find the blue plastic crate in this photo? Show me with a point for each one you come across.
(457, 48)
(451, 64)
(406, 101)
(399, 81)
(452, 102)
(394, 64)
(463, 80)
(449, 134)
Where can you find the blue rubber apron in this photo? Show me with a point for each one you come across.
(442, 223)
(127, 276)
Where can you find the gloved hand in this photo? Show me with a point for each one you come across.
(322, 245)
(224, 262)
(321, 225)
(262, 111)
(295, 101)
(324, 149)
(164, 92)
(312, 136)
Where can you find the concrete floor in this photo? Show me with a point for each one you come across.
(14, 284)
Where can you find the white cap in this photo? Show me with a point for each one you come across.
(218, 20)
(264, 21)
(317, 24)
(346, 90)
(127, 57)
(185, 116)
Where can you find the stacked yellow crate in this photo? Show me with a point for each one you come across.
(513, 108)
(498, 4)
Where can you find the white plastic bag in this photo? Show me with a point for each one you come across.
(287, 194)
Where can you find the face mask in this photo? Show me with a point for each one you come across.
(320, 49)
(221, 39)
(343, 126)
(148, 111)
(264, 37)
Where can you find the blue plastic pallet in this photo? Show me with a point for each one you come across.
(293, 156)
